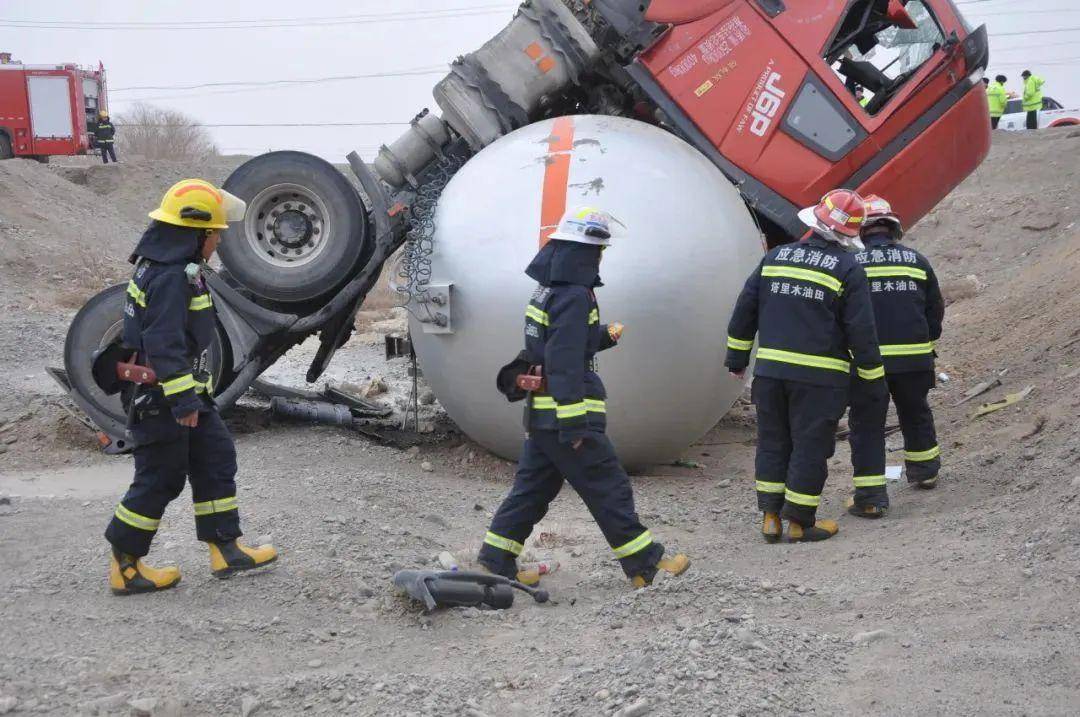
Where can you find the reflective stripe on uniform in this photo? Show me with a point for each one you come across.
(176, 385)
(907, 349)
(764, 486)
(798, 359)
(792, 272)
(919, 456)
(221, 505)
(594, 317)
(593, 405)
(868, 481)
(870, 374)
(590, 405)
(136, 293)
(200, 302)
(206, 386)
(126, 515)
(536, 314)
(879, 272)
(570, 410)
(810, 501)
(497, 541)
(739, 344)
(634, 546)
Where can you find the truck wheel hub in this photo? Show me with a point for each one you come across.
(287, 225)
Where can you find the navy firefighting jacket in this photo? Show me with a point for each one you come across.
(563, 333)
(908, 308)
(105, 131)
(169, 316)
(809, 305)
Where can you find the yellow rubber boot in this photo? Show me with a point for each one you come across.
(675, 565)
(129, 575)
(865, 511)
(821, 530)
(233, 556)
(771, 527)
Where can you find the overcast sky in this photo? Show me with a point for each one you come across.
(171, 57)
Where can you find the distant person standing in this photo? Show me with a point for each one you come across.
(997, 97)
(5, 58)
(105, 134)
(1033, 97)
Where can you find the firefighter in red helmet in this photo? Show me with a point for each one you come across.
(908, 312)
(808, 304)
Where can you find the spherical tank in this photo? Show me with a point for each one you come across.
(672, 277)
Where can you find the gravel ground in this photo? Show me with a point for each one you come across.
(962, 601)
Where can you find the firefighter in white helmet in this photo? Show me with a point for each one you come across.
(566, 418)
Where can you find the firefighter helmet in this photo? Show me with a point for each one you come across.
(879, 211)
(198, 204)
(839, 216)
(103, 114)
(586, 225)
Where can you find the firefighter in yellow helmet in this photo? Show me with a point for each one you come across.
(169, 323)
(104, 134)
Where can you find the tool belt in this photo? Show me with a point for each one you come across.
(134, 373)
(532, 381)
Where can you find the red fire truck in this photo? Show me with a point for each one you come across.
(49, 110)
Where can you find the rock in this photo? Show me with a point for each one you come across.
(412, 452)
(143, 707)
(635, 709)
(249, 705)
(694, 646)
(1041, 222)
(364, 590)
(961, 288)
(427, 467)
(375, 387)
(10, 440)
(1027, 572)
(427, 397)
(602, 694)
(335, 696)
(865, 638)
(315, 664)
(8, 704)
(801, 590)
(1029, 454)
(3, 449)
(573, 661)
(1075, 483)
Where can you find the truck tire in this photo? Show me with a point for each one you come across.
(305, 231)
(5, 147)
(99, 323)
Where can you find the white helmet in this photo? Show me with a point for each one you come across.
(586, 225)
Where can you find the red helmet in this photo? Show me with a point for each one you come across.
(879, 211)
(841, 211)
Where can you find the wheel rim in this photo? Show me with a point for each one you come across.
(287, 225)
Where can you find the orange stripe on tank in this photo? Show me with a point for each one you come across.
(556, 176)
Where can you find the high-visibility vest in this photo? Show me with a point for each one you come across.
(997, 98)
(1033, 96)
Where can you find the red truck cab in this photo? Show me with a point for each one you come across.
(768, 88)
(48, 110)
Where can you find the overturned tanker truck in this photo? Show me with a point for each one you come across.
(703, 125)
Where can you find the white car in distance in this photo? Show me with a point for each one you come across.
(1053, 114)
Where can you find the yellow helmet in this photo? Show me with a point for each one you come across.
(103, 114)
(198, 204)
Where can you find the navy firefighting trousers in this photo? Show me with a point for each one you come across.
(595, 473)
(796, 438)
(866, 424)
(205, 455)
(922, 455)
